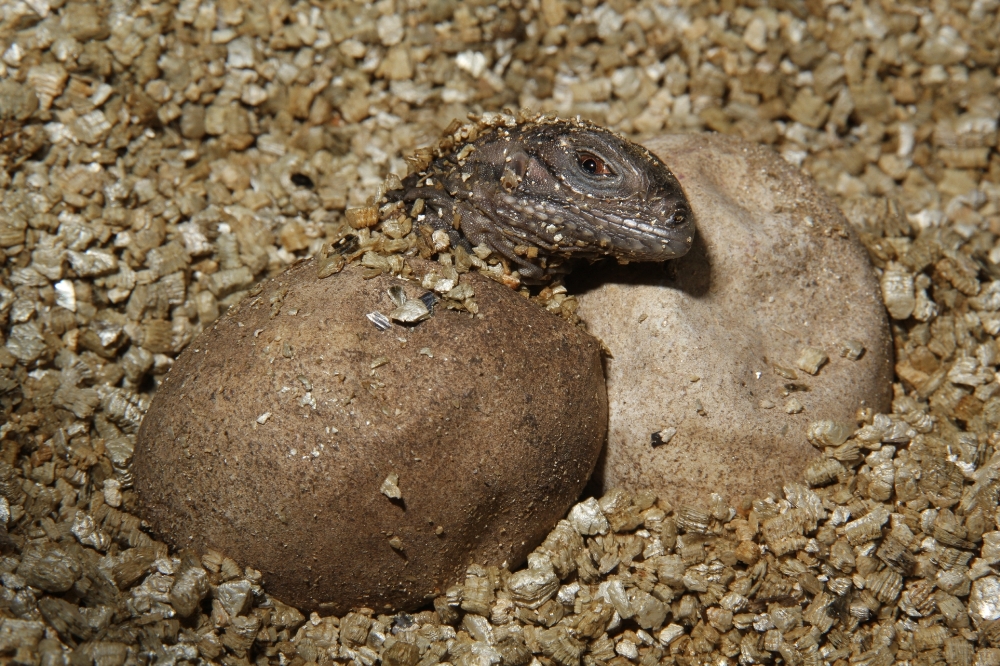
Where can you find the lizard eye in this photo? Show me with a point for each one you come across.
(593, 165)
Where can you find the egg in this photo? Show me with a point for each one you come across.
(364, 465)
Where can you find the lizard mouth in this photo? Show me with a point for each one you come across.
(676, 226)
(659, 247)
(630, 238)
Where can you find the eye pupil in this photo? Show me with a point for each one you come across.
(593, 165)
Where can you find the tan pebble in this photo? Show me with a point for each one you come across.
(811, 359)
(390, 487)
(48, 82)
(897, 291)
(793, 406)
(362, 218)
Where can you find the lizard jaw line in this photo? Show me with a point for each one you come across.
(649, 229)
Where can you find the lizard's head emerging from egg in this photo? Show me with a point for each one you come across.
(539, 191)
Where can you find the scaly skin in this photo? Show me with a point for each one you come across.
(546, 190)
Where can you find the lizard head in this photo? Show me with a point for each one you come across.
(547, 189)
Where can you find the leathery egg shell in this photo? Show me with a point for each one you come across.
(733, 348)
(277, 432)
